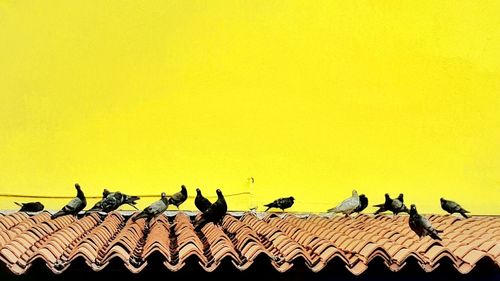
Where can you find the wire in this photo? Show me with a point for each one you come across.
(99, 197)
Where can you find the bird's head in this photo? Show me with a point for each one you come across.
(77, 186)
(291, 197)
(105, 192)
(400, 196)
(441, 199)
(219, 193)
(413, 209)
(198, 191)
(183, 188)
(354, 192)
(163, 195)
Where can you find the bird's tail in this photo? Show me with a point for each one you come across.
(131, 200)
(93, 210)
(199, 224)
(379, 205)
(463, 213)
(18, 204)
(332, 210)
(380, 210)
(57, 214)
(434, 234)
(405, 209)
(139, 216)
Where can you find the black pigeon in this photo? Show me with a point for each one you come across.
(154, 209)
(215, 213)
(282, 203)
(178, 198)
(363, 203)
(30, 206)
(421, 226)
(74, 206)
(201, 202)
(453, 207)
(396, 205)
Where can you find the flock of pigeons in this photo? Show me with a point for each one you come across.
(215, 212)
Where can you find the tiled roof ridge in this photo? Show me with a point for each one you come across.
(283, 239)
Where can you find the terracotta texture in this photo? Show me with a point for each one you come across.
(283, 240)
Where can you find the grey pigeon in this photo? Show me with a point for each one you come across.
(421, 226)
(201, 202)
(282, 203)
(98, 206)
(363, 203)
(398, 206)
(30, 206)
(178, 198)
(74, 206)
(453, 207)
(348, 205)
(154, 209)
(215, 213)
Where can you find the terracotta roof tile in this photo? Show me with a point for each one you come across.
(283, 240)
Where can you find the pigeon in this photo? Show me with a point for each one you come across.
(282, 203)
(421, 226)
(396, 205)
(178, 198)
(74, 206)
(154, 209)
(385, 206)
(363, 203)
(214, 213)
(452, 207)
(112, 201)
(348, 205)
(201, 202)
(30, 206)
(98, 206)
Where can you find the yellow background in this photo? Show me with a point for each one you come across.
(311, 99)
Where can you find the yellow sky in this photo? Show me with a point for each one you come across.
(311, 99)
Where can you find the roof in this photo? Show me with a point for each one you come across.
(283, 240)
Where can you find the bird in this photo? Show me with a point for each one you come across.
(153, 210)
(112, 201)
(74, 206)
(363, 203)
(347, 206)
(215, 213)
(98, 206)
(30, 206)
(396, 205)
(282, 203)
(178, 198)
(421, 225)
(453, 207)
(201, 202)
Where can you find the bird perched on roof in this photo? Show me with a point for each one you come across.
(30, 206)
(421, 225)
(282, 203)
(395, 205)
(215, 213)
(74, 206)
(201, 202)
(453, 207)
(178, 198)
(113, 200)
(348, 205)
(153, 210)
(363, 203)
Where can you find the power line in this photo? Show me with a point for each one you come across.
(99, 197)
